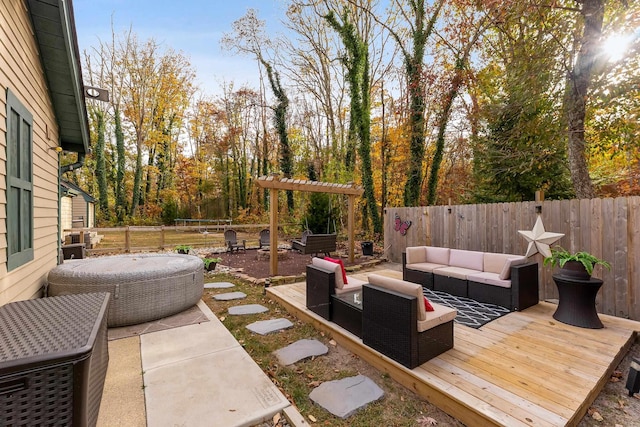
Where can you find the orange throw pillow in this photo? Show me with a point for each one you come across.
(338, 261)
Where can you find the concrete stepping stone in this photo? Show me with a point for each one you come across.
(247, 309)
(300, 350)
(218, 285)
(230, 296)
(346, 396)
(264, 327)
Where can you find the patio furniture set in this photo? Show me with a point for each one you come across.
(390, 315)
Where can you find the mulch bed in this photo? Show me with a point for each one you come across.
(248, 260)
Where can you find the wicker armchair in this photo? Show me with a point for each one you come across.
(390, 326)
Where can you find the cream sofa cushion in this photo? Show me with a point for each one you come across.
(488, 279)
(416, 254)
(427, 267)
(438, 255)
(505, 273)
(457, 272)
(471, 260)
(493, 262)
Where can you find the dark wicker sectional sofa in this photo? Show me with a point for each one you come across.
(501, 279)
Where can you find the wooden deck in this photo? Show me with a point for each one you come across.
(523, 369)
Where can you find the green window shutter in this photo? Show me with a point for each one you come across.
(19, 183)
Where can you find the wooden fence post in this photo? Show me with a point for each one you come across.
(127, 240)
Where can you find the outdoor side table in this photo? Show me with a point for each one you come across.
(577, 301)
(347, 311)
(53, 360)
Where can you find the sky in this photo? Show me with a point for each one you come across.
(193, 27)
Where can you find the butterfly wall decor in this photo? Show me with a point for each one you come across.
(401, 226)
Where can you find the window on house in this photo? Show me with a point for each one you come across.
(19, 183)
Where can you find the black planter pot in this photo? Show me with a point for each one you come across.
(367, 248)
(575, 270)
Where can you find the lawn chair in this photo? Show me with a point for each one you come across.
(265, 238)
(231, 240)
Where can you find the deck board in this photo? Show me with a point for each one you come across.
(523, 369)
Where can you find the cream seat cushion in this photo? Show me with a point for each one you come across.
(489, 279)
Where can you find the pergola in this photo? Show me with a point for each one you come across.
(274, 183)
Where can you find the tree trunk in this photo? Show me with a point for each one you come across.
(101, 173)
(578, 83)
(121, 201)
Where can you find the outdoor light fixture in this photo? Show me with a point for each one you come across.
(267, 283)
(539, 209)
(449, 210)
(633, 380)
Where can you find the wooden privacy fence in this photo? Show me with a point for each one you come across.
(607, 228)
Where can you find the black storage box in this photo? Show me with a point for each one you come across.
(53, 360)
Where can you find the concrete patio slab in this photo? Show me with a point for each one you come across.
(167, 347)
(299, 350)
(264, 327)
(346, 396)
(225, 388)
(123, 396)
(247, 309)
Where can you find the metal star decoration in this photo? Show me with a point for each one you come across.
(539, 240)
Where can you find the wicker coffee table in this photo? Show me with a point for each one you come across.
(143, 287)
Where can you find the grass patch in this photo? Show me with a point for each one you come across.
(399, 407)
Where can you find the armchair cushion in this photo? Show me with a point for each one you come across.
(341, 264)
(403, 287)
(330, 266)
(440, 314)
(353, 285)
(505, 273)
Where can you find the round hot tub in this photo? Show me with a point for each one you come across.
(143, 287)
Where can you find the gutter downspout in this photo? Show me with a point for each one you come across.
(73, 166)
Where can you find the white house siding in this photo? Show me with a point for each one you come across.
(91, 211)
(66, 213)
(79, 212)
(21, 71)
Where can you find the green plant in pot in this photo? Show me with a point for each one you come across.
(577, 265)
(183, 249)
(210, 263)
